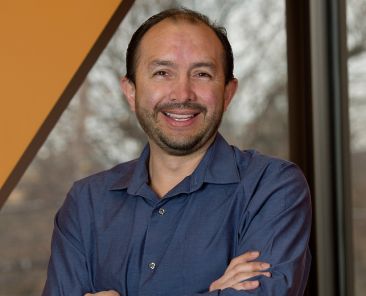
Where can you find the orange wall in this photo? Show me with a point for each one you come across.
(42, 45)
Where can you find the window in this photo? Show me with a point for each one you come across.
(356, 11)
(97, 130)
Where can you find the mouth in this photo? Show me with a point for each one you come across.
(180, 117)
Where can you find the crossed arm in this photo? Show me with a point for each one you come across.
(236, 275)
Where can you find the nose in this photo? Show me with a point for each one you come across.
(182, 90)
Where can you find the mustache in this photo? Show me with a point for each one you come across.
(180, 105)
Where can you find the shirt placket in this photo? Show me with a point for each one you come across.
(158, 236)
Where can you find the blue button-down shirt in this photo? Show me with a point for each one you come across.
(113, 232)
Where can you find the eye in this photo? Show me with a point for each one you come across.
(204, 75)
(160, 73)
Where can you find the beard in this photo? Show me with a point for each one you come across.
(177, 144)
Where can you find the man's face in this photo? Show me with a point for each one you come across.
(180, 93)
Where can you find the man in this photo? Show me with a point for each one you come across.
(192, 215)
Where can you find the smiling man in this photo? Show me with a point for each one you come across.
(192, 215)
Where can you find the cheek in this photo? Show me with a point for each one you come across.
(148, 95)
(147, 98)
(213, 98)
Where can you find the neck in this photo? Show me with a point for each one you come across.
(166, 170)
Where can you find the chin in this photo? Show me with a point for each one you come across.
(181, 147)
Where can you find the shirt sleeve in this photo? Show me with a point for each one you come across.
(276, 222)
(68, 271)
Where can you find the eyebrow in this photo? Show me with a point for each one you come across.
(158, 62)
(161, 63)
(204, 65)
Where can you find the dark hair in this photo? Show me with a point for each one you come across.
(176, 14)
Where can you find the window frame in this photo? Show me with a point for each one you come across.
(319, 134)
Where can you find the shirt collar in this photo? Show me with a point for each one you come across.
(218, 166)
(135, 176)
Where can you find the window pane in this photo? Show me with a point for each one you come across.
(357, 96)
(97, 130)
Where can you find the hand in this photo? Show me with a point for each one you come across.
(240, 269)
(104, 293)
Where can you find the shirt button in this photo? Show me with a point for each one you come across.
(161, 211)
(152, 265)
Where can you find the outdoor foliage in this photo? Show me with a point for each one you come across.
(98, 131)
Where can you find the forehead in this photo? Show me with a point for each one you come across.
(185, 36)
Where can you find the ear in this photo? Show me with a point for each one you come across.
(230, 90)
(129, 90)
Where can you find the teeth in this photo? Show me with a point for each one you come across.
(179, 117)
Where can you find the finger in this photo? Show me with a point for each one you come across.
(104, 293)
(238, 278)
(248, 275)
(247, 285)
(243, 268)
(247, 256)
(241, 277)
(249, 266)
